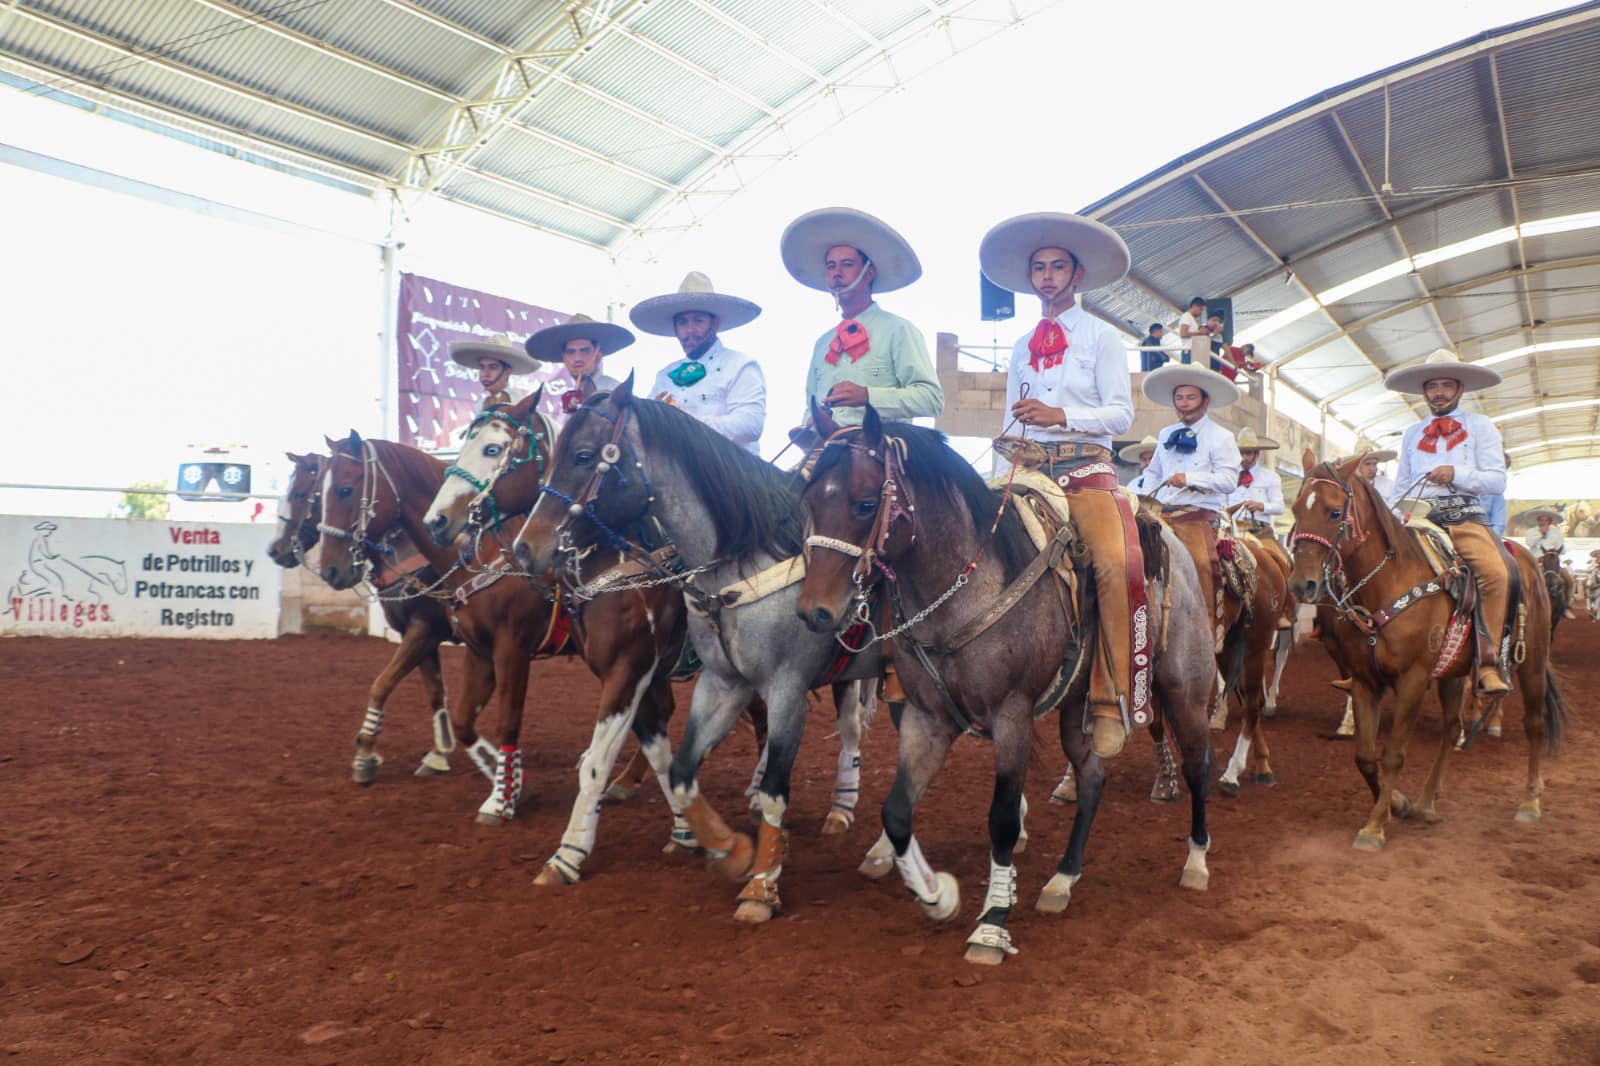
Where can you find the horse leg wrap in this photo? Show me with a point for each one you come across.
(939, 894)
(501, 806)
(997, 903)
(483, 756)
(731, 853)
(772, 844)
(1165, 790)
(444, 738)
(567, 863)
(846, 790)
(372, 724)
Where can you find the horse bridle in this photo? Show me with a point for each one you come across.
(361, 548)
(508, 461)
(313, 507)
(1340, 591)
(583, 503)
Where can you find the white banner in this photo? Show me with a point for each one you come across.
(110, 577)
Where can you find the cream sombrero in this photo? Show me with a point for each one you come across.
(1131, 453)
(1533, 514)
(1159, 384)
(1443, 363)
(1008, 247)
(1381, 455)
(609, 337)
(1249, 442)
(473, 352)
(655, 315)
(804, 246)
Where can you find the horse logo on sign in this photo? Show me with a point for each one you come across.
(50, 573)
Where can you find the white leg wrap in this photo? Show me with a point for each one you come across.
(1347, 724)
(847, 785)
(1002, 896)
(484, 757)
(444, 738)
(372, 724)
(939, 894)
(507, 791)
(1236, 761)
(879, 859)
(584, 823)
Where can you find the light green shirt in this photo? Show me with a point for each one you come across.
(896, 371)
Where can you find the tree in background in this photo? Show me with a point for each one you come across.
(146, 505)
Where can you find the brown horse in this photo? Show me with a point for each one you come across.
(984, 636)
(1393, 630)
(1248, 659)
(1555, 583)
(423, 624)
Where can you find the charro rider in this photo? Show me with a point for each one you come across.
(1450, 461)
(723, 388)
(1547, 539)
(871, 356)
(1259, 494)
(1141, 453)
(1069, 388)
(495, 360)
(1196, 467)
(580, 346)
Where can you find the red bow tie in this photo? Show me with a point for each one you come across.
(849, 339)
(1046, 346)
(1246, 479)
(1449, 429)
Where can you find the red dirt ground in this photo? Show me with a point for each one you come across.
(187, 875)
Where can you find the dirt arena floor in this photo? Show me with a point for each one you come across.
(187, 875)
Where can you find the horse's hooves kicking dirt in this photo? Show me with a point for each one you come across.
(1368, 842)
(979, 955)
(735, 865)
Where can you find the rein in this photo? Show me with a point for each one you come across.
(493, 521)
(362, 548)
(1340, 592)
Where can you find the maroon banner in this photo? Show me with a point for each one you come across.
(438, 397)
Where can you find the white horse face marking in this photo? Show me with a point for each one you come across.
(1311, 498)
(481, 454)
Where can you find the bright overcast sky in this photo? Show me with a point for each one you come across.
(138, 322)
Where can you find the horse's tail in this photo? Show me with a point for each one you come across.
(1234, 646)
(1555, 714)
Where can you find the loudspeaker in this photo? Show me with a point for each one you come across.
(997, 304)
(1223, 304)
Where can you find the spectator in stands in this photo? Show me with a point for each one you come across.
(1152, 349)
(1190, 330)
(1219, 351)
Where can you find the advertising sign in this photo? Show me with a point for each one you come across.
(108, 577)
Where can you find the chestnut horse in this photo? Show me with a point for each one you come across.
(422, 622)
(983, 633)
(1393, 618)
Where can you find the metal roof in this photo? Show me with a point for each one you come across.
(600, 120)
(1450, 201)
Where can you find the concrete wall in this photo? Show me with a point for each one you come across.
(309, 604)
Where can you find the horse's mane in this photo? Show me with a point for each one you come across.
(931, 465)
(1394, 531)
(752, 504)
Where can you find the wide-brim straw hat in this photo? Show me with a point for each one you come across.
(1443, 363)
(473, 352)
(1158, 385)
(1131, 453)
(609, 337)
(1248, 441)
(1006, 251)
(1382, 455)
(1531, 515)
(804, 248)
(655, 315)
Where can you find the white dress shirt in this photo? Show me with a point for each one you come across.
(1550, 541)
(1211, 470)
(557, 382)
(1265, 488)
(731, 398)
(1479, 461)
(1143, 484)
(1091, 384)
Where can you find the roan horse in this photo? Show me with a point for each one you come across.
(1393, 632)
(423, 624)
(979, 639)
(729, 518)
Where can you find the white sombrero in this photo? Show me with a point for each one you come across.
(609, 337)
(473, 352)
(1381, 455)
(1532, 514)
(1443, 363)
(1159, 384)
(655, 315)
(1249, 442)
(1008, 247)
(804, 246)
(1131, 453)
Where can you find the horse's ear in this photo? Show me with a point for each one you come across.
(822, 421)
(1307, 461)
(332, 444)
(293, 458)
(523, 409)
(354, 440)
(872, 425)
(1348, 468)
(622, 395)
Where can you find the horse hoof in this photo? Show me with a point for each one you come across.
(1401, 806)
(1218, 726)
(1266, 779)
(1021, 845)
(1528, 814)
(1428, 816)
(549, 877)
(980, 955)
(736, 864)
(753, 912)
(1056, 895)
(875, 868)
(1066, 794)
(948, 902)
(1164, 792)
(1228, 788)
(1195, 880)
(1368, 842)
(424, 770)
(617, 792)
(835, 823)
(1493, 731)
(1269, 712)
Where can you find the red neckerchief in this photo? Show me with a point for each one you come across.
(1047, 345)
(1246, 479)
(1452, 431)
(849, 339)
